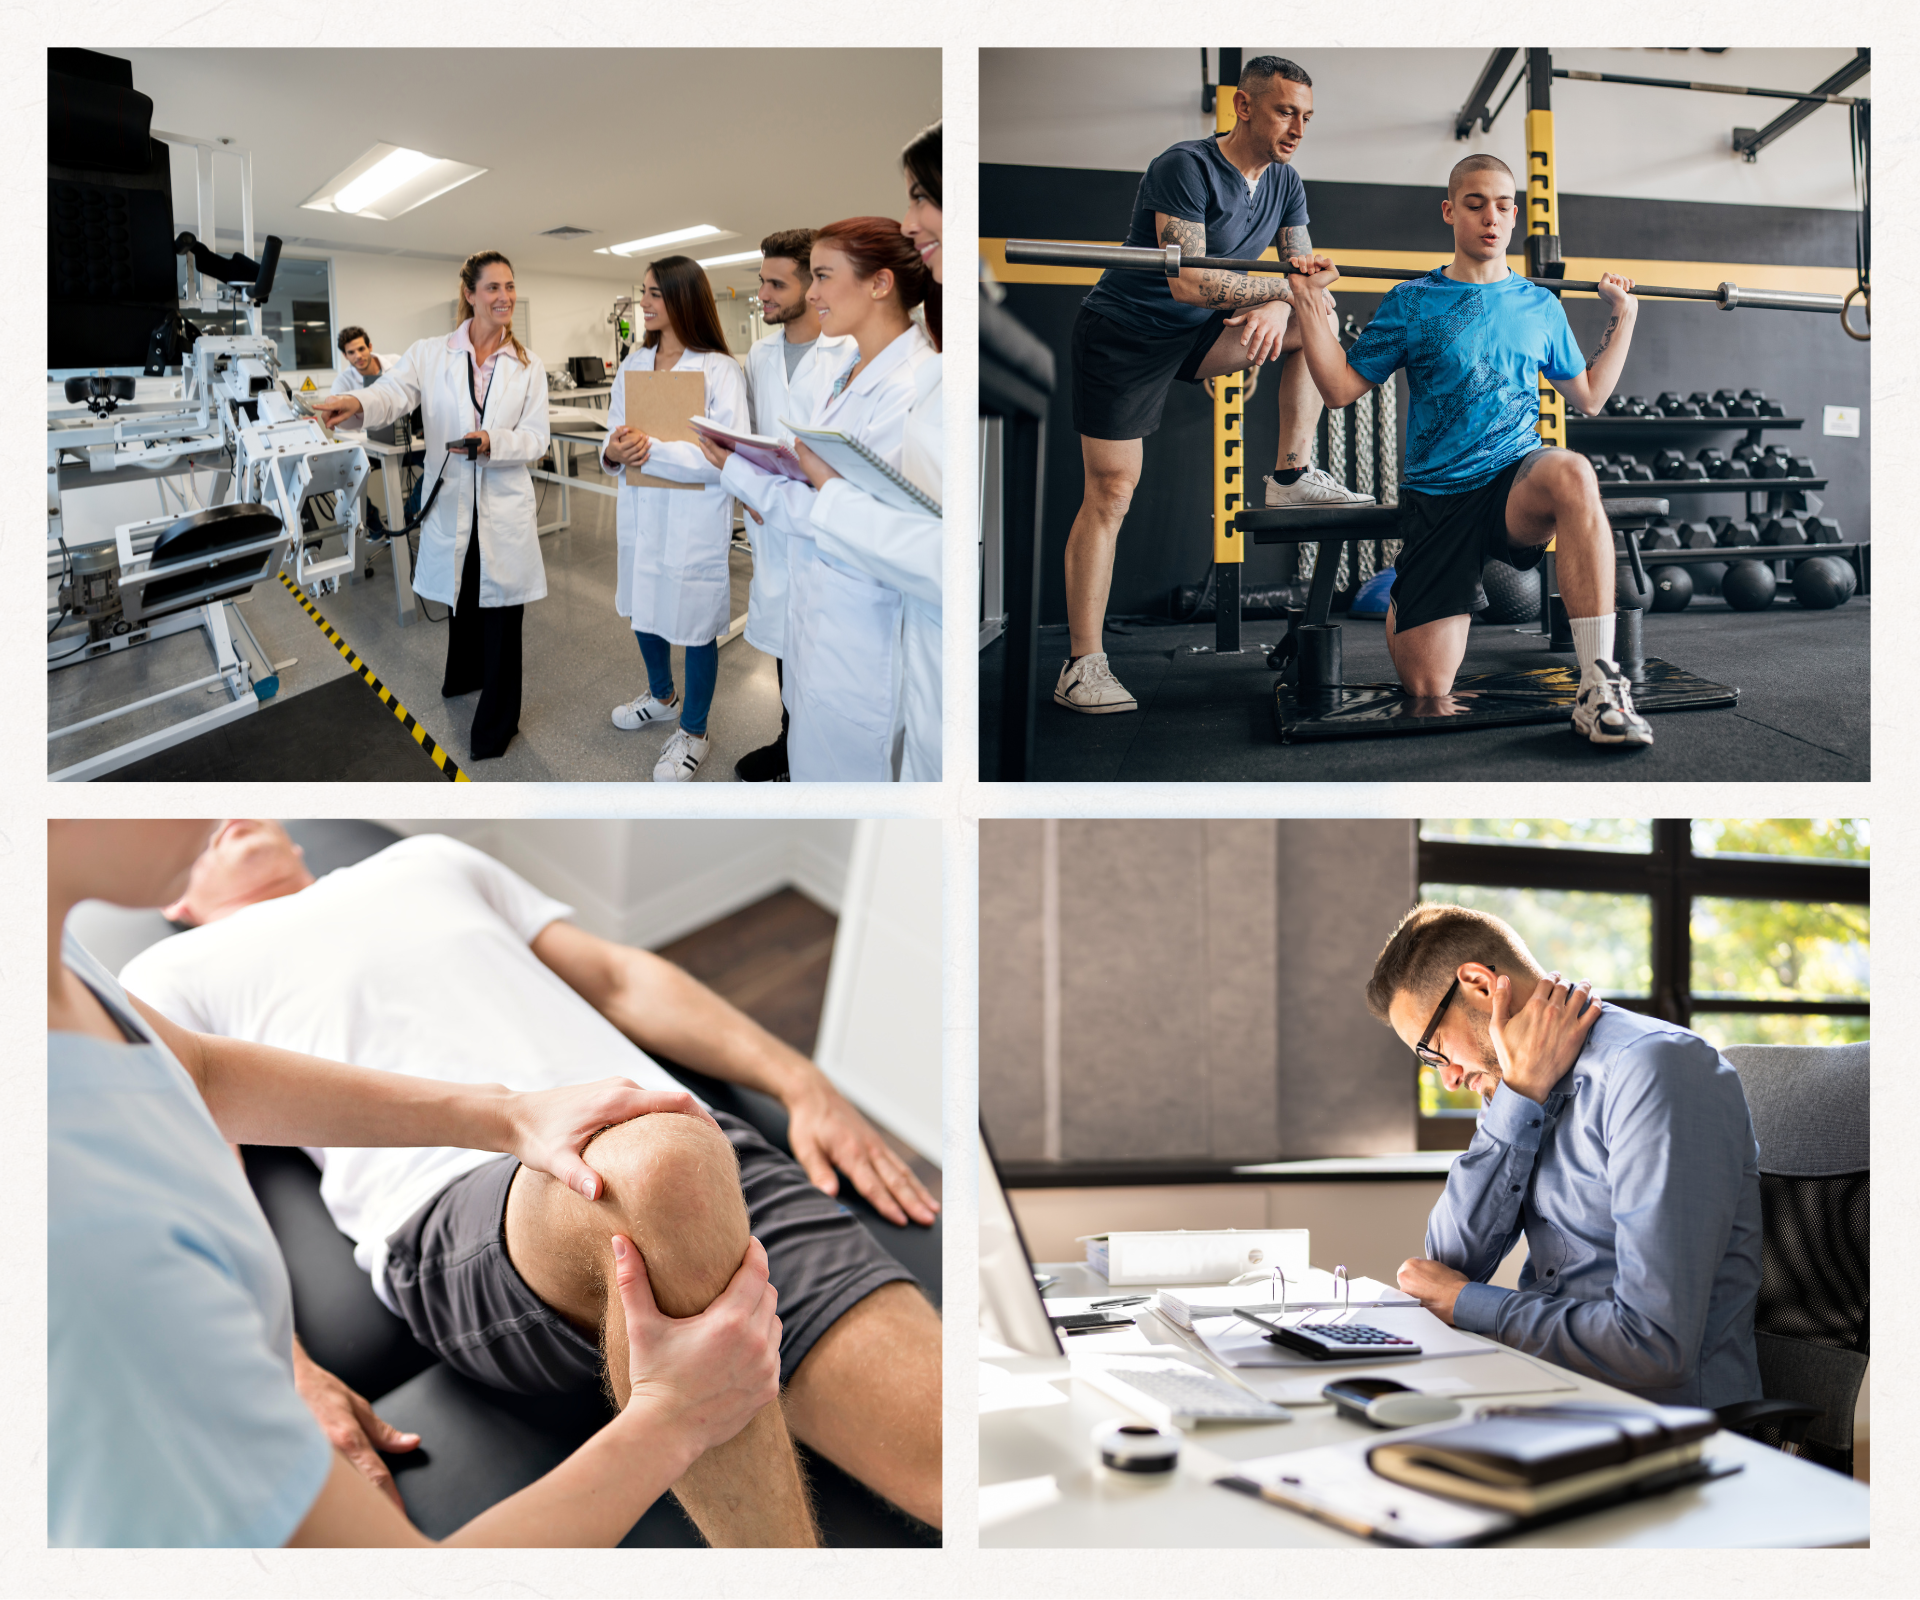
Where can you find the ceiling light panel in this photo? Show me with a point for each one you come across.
(654, 241)
(388, 181)
(729, 261)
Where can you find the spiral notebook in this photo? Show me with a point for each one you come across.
(865, 470)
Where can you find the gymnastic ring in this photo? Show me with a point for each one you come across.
(1251, 374)
(1866, 307)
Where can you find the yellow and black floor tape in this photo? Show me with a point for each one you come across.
(421, 737)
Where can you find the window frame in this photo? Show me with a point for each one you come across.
(1670, 875)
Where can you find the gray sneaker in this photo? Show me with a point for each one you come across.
(1604, 712)
(1312, 488)
(1089, 685)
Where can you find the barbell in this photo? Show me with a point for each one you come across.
(1168, 260)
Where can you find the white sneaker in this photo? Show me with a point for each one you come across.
(1312, 488)
(638, 713)
(1089, 685)
(1604, 712)
(682, 757)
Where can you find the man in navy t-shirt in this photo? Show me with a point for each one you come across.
(1479, 485)
(1140, 332)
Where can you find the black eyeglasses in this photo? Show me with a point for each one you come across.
(1430, 1057)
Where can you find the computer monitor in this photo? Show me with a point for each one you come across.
(1011, 1310)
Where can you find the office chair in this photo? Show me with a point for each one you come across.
(1811, 1326)
(480, 1444)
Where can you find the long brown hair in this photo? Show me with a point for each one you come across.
(469, 281)
(688, 297)
(873, 244)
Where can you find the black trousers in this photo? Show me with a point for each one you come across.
(483, 652)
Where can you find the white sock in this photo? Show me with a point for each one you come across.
(1592, 640)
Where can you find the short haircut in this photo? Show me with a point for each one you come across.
(1262, 70)
(1426, 951)
(1463, 170)
(348, 335)
(791, 244)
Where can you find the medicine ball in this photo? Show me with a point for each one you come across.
(1627, 594)
(1512, 595)
(1748, 586)
(1707, 576)
(1822, 583)
(1672, 588)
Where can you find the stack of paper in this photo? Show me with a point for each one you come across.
(1314, 1289)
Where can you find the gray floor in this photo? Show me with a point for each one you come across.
(581, 661)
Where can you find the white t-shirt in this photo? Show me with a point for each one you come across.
(415, 960)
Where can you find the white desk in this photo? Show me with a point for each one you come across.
(1777, 1501)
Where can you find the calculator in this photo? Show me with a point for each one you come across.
(1334, 1341)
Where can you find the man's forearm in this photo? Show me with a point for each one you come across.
(1477, 1217)
(1210, 287)
(1338, 383)
(1609, 360)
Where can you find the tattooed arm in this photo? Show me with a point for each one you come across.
(1232, 291)
(1590, 389)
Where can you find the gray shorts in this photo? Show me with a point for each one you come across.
(448, 1272)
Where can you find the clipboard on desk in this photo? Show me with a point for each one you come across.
(659, 404)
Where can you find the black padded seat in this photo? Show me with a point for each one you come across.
(1310, 524)
(1635, 509)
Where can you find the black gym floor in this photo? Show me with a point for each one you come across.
(1803, 712)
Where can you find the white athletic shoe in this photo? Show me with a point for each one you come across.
(682, 757)
(1604, 712)
(1312, 488)
(639, 713)
(1089, 685)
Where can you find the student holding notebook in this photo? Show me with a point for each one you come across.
(846, 660)
(672, 577)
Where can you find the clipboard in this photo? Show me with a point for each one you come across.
(658, 404)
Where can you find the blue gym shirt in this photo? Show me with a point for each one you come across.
(1472, 352)
(1195, 182)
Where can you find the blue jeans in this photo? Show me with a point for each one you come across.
(703, 668)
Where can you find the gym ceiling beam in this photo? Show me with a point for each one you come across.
(1750, 143)
(1475, 110)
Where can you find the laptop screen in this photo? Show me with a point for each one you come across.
(1011, 1310)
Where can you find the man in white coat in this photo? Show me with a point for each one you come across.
(786, 377)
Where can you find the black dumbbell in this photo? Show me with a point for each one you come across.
(1772, 408)
(1616, 406)
(1660, 536)
(1636, 471)
(1668, 463)
(1745, 451)
(1822, 530)
(1695, 536)
(1733, 532)
(1734, 469)
(1726, 397)
(1692, 472)
(1708, 406)
(1742, 408)
(1637, 405)
(1605, 470)
(1787, 529)
(1753, 394)
(1772, 466)
(1800, 500)
(1713, 460)
(1800, 466)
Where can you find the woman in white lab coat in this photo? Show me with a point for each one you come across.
(673, 579)
(845, 663)
(903, 549)
(479, 548)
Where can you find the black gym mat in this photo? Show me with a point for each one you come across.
(338, 732)
(1803, 713)
(1479, 700)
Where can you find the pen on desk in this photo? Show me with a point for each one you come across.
(1124, 1300)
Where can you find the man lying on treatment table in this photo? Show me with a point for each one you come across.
(1619, 1144)
(433, 959)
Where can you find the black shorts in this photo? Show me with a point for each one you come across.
(448, 1272)
(1120, 378)
(1448, 539)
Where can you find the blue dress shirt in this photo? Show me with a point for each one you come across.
(1637, 1185)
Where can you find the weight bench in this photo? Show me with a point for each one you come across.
(1313, 701)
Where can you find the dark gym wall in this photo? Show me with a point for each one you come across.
(1803, 361)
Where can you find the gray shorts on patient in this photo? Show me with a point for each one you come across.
(448, 1272)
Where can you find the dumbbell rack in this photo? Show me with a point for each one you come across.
(1620, 429)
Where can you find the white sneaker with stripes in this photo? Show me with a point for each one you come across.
(682, 757)
(1312, 488)
(1089, 685)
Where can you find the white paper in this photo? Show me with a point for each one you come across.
(1337, 1479)
(1002, 1502)
(1503, 1373)
(1315, 1289)
(1001, 1390)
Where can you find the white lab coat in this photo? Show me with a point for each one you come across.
(845, 666)
(904, 550)
(433, 375)
(774, 397)
(347, 379)
(672, 574)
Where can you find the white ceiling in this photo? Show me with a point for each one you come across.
(626, 142)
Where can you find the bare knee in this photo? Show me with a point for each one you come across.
(1109, 493)
(1570, 482)
(673, 1187)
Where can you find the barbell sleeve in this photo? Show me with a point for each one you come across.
(1167, 260)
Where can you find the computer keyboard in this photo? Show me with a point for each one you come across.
(1174, 1394)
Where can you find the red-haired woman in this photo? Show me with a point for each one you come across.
(845, 662)
(672, 578)
(479, 548)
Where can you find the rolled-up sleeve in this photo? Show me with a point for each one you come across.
(1478, 1218)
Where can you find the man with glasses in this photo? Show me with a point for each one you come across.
(1618, 1143)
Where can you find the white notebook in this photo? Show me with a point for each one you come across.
(865, 470)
